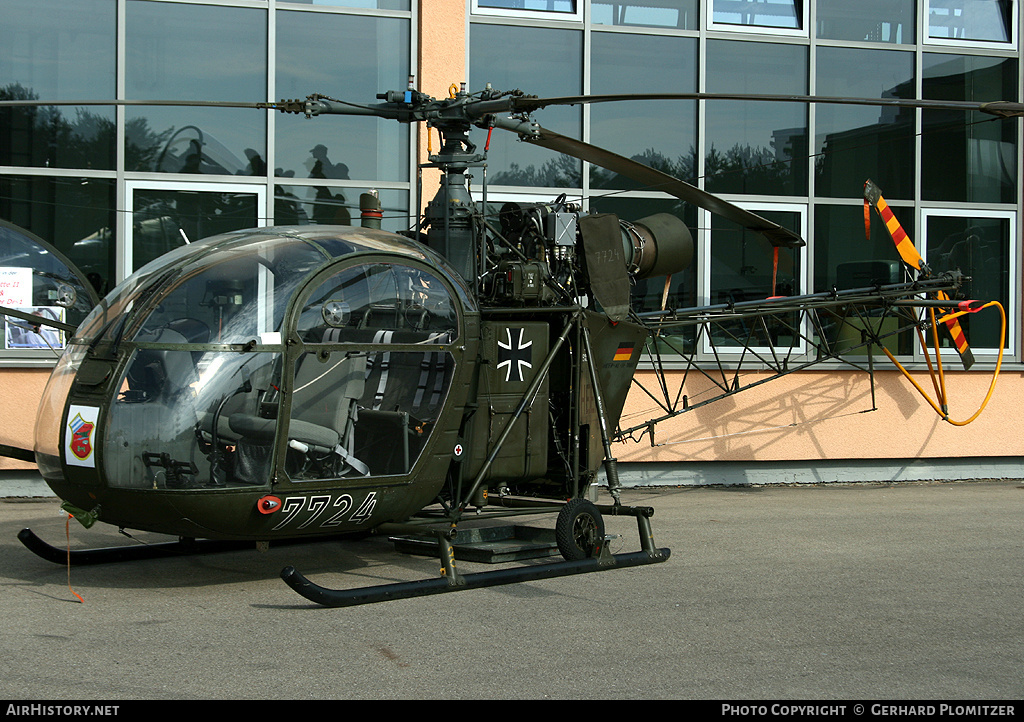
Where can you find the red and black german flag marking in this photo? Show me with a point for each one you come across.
(625, 351)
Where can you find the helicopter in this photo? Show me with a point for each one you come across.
(299, 382)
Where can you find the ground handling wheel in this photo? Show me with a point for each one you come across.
(579, 530)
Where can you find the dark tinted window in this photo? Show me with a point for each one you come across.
(351, 58)
(980, 248)
(761, 13)
(680, 14)
(855, 143)
(971, 20)
(76, 215)
(969, 156)
(756, 147)
(57, 50)
(875, 21)
(548, 62)
(661, 134)
(195, 52)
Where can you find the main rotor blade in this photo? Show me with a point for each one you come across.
(1001, 108)
(178, 103)
(654, 179)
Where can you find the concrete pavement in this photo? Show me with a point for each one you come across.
(830, 592)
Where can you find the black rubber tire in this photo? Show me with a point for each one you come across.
(579, 529)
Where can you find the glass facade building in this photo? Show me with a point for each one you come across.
(953, 178)
(113, 186)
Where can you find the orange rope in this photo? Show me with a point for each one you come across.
(775, 268)
(67, 531)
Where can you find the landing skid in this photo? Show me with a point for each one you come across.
(424, 587)
(599, 560)
(106, 555)
(184, 546)
(450, 580)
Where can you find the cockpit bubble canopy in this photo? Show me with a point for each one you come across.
(37, 279)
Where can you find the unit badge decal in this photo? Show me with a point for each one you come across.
(79, 441)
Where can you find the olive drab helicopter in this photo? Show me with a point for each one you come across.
(296, 382)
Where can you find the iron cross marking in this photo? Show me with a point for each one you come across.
(514, 354)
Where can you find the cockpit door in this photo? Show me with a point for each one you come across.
(375, 368)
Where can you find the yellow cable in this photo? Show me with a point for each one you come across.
(995, 374)
(931, 371)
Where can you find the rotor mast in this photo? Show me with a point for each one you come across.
(450, 218)
(452, 225)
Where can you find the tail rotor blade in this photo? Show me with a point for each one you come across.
(904, 246)
(956, 332)
(908, 252)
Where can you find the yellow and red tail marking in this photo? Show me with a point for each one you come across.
(954, 328)
(904, 246)
(956, 331)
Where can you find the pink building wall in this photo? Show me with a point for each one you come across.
(826, 415)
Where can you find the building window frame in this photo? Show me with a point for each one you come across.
(966, 43)
(126, 251)
(803, 16)
(1013, 308)
(476, 8)
(802, 278)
